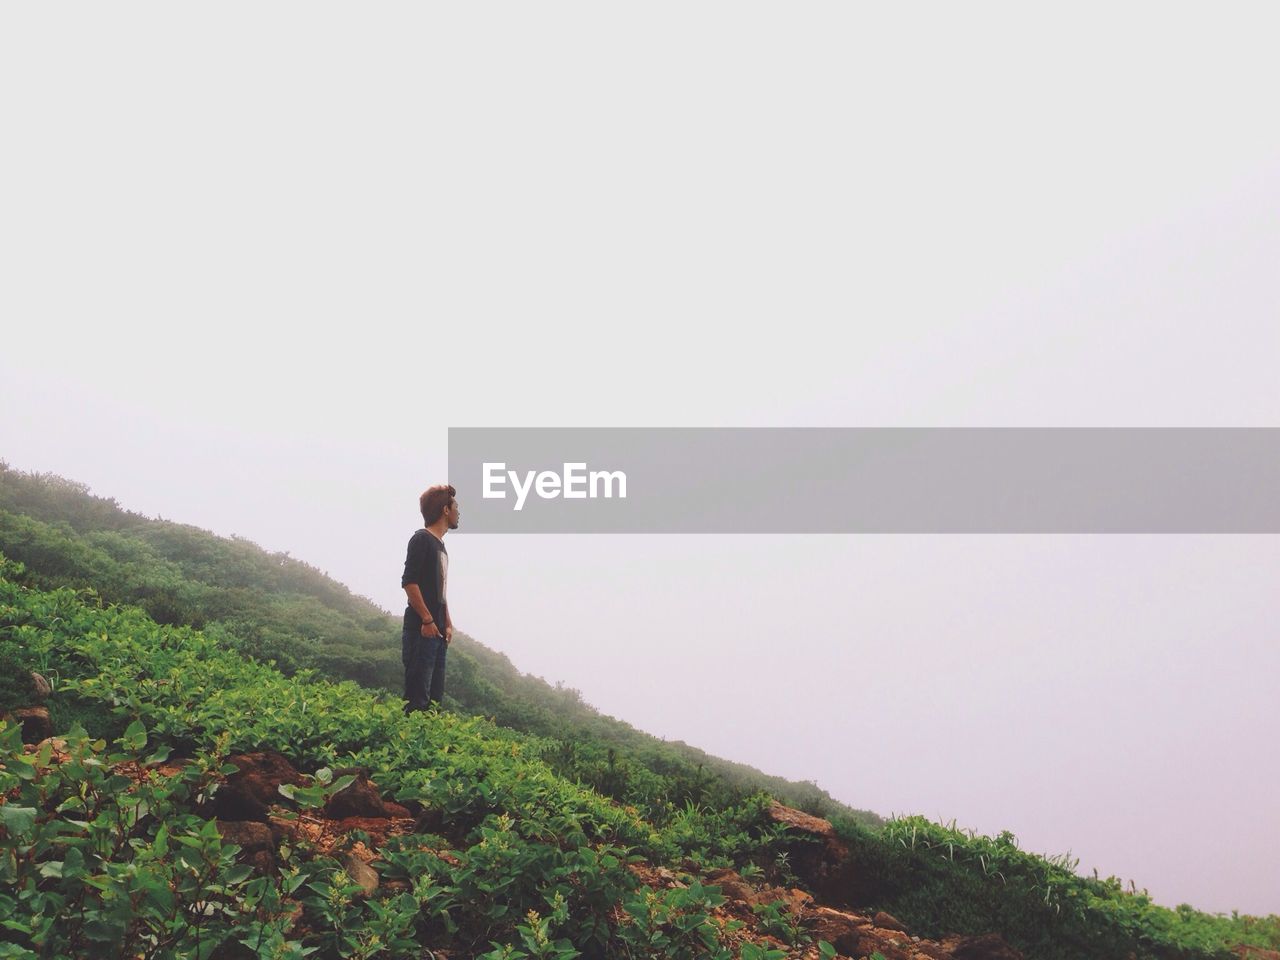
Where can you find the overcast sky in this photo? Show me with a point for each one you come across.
(257, 260)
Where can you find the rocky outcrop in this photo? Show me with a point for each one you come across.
(248, 793)
(36, 724)
(257, 842)
(818, 856)
(853, 934)
(359, 871)
(842, 930)
(888, 921)
(40, 687)
(362, 799)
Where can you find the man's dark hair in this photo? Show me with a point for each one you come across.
(434, 500)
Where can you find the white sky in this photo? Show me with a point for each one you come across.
(257, 259)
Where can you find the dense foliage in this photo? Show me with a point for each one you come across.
(545, 801)
(939, 879)
(277, 608)
(97, 860)
(527, 863)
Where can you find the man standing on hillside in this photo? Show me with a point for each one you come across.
(425, 579)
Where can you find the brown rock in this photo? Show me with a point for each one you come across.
(824, 866)
(1247, 951)
(40, 687)
(888, 921)
(263, 861)
(254, 787)
(871, 941)
(668, 876)
(257, 843)
(361, 799)
(250, 835)
(800, 821)
(842, 930)
(988, 946)
(731, 885)
(36, 725)
(361, 873)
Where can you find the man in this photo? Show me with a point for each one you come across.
(425, 581)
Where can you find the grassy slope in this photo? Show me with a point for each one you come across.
(275, 607)
(517, 834)
(937, 880)
(513, 837)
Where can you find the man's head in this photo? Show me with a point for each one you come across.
(437, 502)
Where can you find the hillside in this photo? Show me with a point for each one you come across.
(277, 608)
(196, 803)
(214, 669)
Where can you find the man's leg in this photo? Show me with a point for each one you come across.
(437, 671)
(412, 655)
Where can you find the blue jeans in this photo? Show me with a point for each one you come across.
(423, 659)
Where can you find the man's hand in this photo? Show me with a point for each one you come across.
(429, 629)
(448, 633)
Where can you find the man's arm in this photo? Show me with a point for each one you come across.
(429, 628)
(448, 625)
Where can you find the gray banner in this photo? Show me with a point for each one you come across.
(866, 480)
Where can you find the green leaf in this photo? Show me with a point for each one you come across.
(17, 820)
(73, 865)
(160, 756)
(135, 737)
(342, 783)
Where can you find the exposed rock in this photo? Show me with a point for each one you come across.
(821, 859)
(40, 687)
(254, 787)
(842, 930)
(731, 885)
(668, 876)
(800, 821)
(250, 835)
(888, 921)
(263, 861)
(1246, 951)
(362, 799)
(891, 948)
(360, 872)
(988, 946)
(36, 725)
(795, 899)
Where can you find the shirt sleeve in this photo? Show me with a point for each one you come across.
(415, 561)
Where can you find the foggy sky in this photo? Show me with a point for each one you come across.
(257, 262)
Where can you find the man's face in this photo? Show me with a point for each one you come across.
(453, 513)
